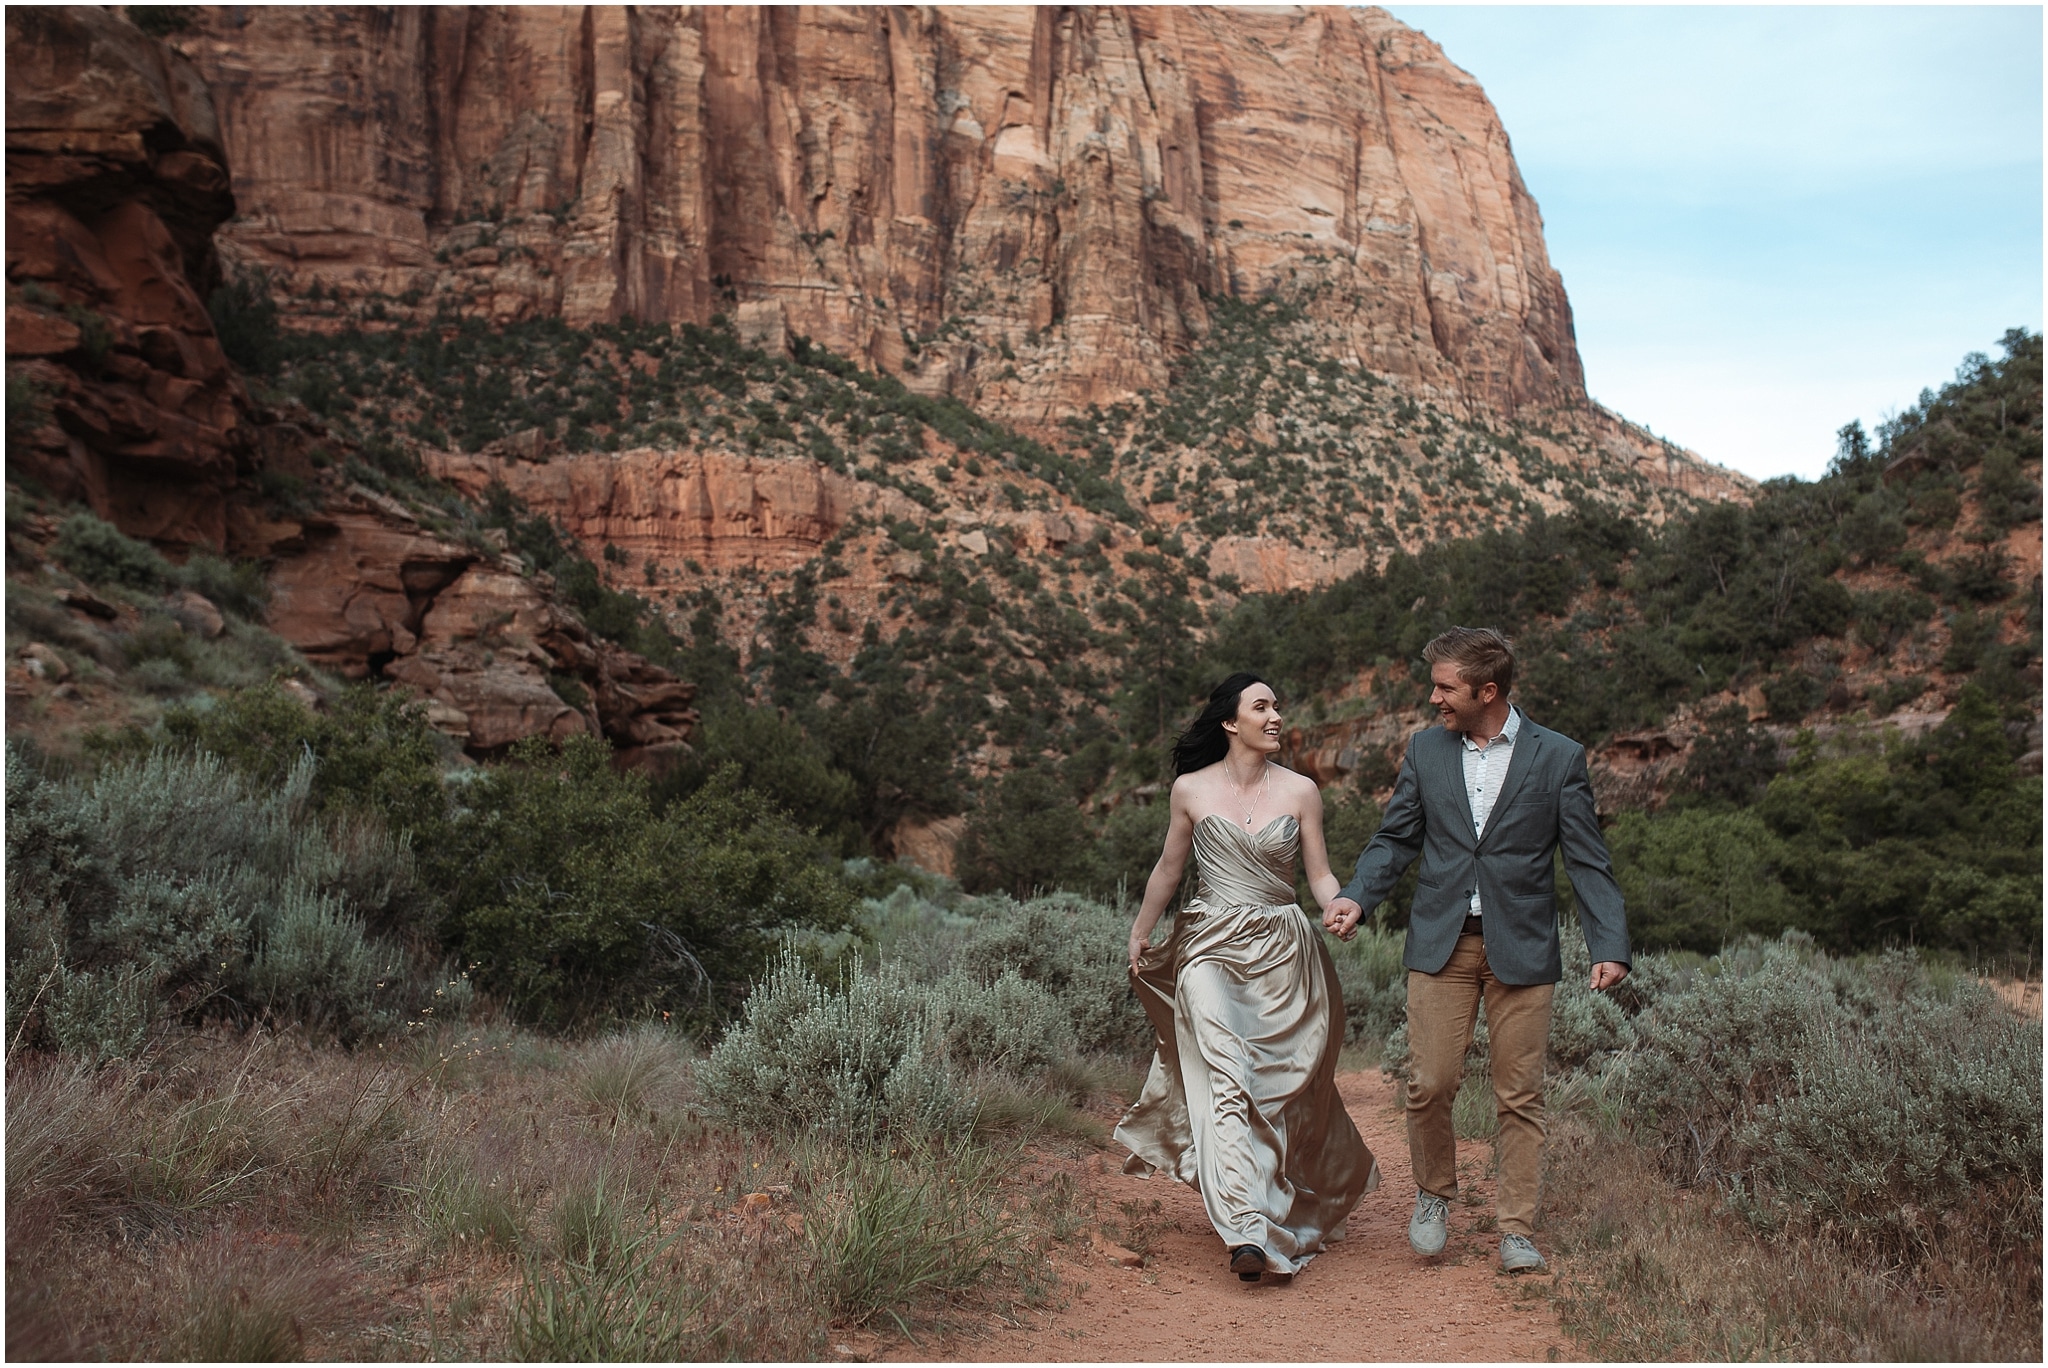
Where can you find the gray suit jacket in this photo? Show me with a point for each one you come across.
(1545, 804)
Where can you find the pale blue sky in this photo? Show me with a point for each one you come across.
(1772, 219)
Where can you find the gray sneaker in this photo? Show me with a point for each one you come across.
(1518, 1255)
(1430, 1227)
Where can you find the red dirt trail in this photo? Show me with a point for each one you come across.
(1368, 1298)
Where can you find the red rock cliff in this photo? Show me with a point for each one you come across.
(115, 181)
(1024, 206)
(120, 397)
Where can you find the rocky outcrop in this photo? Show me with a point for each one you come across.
(361, 589)
(119, 394)
(1272, 565)
(121, 397)
(724, 512)
(1031, 208)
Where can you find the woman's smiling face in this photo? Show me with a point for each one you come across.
(1258, 719)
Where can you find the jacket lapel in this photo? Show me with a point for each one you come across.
(1527, 741)
(1453, 752)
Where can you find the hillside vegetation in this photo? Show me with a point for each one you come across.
(275, 946)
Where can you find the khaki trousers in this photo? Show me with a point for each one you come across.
(1441, 1010)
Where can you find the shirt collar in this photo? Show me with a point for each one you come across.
(1507, 731)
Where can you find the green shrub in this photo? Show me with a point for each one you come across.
(1132, 837)
(1027, 837)
(374, 753)
(1875, 1096)
(778, 759)
(575, 902)
(245, 318)
(1934, 842)
(1731, 761)
(1073, 948)
(1699, 880)
(864, 1060)
(238, 587)
(170, 886)
(164, 658)
(99, 553)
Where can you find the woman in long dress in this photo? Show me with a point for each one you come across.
(1241, 1101)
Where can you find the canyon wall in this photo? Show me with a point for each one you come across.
(1029, 208)
(119, 394)
(120, 398)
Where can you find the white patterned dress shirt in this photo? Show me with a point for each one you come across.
(1486, 767)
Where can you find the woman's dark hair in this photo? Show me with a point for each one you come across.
(1205, 742)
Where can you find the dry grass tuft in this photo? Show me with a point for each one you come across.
(483, 1194)
(240, 1298)
(1652, 1271)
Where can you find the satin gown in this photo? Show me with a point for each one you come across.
(1241, 1101)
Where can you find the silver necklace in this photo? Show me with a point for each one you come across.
(1265, 778)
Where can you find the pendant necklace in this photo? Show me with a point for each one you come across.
(1264, 778)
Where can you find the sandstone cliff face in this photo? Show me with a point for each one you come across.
(115, 181)
(365, 591)
(1022, 206)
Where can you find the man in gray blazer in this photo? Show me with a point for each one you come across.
(1485, 800)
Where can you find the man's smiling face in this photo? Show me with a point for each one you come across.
(1461, 706)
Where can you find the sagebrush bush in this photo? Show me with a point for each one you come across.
(98, 552)
(1873, 1095)
(860, 1060)
(170, 887)
(1375, 984)
(1073, 948)
(1007, 1023)
(884, 1051)
(163, 658)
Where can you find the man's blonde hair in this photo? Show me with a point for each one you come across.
(1482, 655)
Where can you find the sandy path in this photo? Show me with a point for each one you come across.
(1369, 1297)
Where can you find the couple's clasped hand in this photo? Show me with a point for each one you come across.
(1341, 917)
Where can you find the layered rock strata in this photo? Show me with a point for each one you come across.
(364, 591)
(119, 394)
(120, 397)
(1028, 207)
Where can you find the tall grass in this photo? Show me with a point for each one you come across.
(899, 1229)
(621, 1298)
(240, 1302)
(211, 1201)
(622, 1073)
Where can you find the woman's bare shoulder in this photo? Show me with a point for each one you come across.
(1293, 783)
